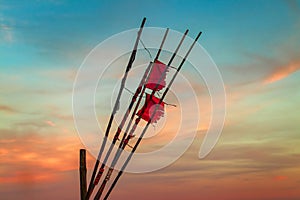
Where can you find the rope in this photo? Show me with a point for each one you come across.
(131, 92)
(168, 104)
(146, 48)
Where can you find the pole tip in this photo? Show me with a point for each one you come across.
(187, 30)
(198, 35)
(167, 30)
(143, 22)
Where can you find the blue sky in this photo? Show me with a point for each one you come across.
(62, 32)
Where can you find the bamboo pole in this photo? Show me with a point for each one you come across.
(82, 172)
(147, 125)
(116, 107)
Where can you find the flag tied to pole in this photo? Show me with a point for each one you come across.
(157, 76)
(151, 105)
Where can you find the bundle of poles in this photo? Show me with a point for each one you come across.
(132, 124)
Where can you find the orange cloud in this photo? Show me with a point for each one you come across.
(50, 123)
(7, 109)
(34, 158)
(282, 72)
(280, 178)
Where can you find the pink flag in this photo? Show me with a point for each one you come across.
(157, 76)
(149, 107)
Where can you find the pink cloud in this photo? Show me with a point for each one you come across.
(280, 178)
(50, 123)
(32, 157)
(7, 109)
(282, 72)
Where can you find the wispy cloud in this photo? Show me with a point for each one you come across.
(282, 72)
(50, 123)
(8, 109)
(6, 29)
(31, 157)
(293, 5)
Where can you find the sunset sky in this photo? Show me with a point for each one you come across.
(256, 46)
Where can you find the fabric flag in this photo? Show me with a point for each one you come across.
(149, 108)
(157, 76)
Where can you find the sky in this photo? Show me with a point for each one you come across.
(256, 46)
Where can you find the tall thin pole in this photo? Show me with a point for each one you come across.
(147, 125)
(125, 141)
(141, 85)
(116, 106)
(82, 173)
(137, 93)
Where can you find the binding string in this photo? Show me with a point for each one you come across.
(146, 48)
(168, 104)
(132, 92)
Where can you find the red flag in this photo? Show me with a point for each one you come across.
(149, 107)
(157, 76)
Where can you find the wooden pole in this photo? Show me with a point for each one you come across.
(115, 109)
(82, 172)
(148, 123)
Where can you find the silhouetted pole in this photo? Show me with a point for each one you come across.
(115, 109)
(82, 172)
